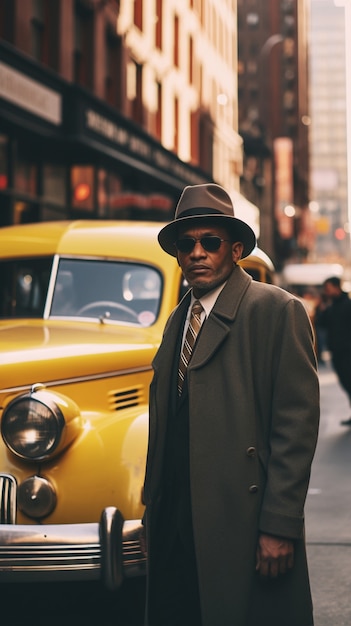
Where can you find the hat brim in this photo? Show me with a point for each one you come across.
(240, 231)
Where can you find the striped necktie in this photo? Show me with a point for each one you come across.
(189, 342)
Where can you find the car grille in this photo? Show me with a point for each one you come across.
(8, 489)
(126, 398)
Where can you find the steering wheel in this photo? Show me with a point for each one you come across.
(98, 308)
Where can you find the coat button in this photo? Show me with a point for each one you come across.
(251, 451)
(253, 488)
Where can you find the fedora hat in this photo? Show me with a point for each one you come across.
(206, 202)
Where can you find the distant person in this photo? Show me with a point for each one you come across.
(234, 409)
(336, 319)
(320, 331)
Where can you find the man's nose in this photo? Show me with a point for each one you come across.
(198, 249)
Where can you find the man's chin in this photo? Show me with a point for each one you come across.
(200, 287)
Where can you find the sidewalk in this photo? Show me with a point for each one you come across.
(330, 574)
(328, 509)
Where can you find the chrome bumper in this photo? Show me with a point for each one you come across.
(107, 551)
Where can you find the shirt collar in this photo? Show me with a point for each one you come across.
(208, 300)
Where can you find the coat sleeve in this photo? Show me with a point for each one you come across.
(294, 424)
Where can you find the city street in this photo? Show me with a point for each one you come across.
(328, 532)
(328, 509)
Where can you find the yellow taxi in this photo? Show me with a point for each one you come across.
(82, 309)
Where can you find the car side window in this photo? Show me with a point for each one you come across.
(23, 287)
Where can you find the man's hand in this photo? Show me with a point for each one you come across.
(274, 555)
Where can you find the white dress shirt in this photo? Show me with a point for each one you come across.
(207, 301)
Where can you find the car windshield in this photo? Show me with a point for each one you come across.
(119, 291)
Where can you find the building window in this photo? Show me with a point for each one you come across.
(109, 188)
(45, 32)
(288, 6)
(289, 47)
(138, 14)
(191, 60)
(252, 66)
(54, 184)
(137, 106)
(176, 126)
(113, 70)
(102, 193)
(253, 95)
(4, 181)
(288, 100)
(83, 46)
(82, 187)
(7, 9)
(114, 192)
(194, 138)
(158, 33)
(25, 171)
(206, 142)
(159, 112)
(38, 29)
(135, 90)
(176, 41)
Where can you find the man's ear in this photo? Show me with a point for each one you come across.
(237, 250)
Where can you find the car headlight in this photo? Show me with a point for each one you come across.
(33, 426)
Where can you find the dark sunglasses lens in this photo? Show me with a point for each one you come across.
(211, 244)
(185, 245)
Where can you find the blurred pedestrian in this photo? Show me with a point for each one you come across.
(320, 331)
(336, 319)
(234, 408)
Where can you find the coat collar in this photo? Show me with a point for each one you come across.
(228, 301)
(223, 314)
(216, 327)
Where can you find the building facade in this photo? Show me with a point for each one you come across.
(109, 108)
(329, 179)
(274, 121)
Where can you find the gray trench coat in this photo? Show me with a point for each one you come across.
(254, 412)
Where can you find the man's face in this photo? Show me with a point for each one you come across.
(331, 291)
(207, 270)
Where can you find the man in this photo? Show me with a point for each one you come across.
(336, 319)
(232, 435)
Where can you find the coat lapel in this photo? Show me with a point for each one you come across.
(164, 358)
(167, 356)
(221, 318)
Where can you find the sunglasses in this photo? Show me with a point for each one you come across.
(210, 243)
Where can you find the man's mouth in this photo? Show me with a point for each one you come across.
(198, 269)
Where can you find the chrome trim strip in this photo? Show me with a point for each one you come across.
(8, 497)
(64, 552)
(80, 379)
(51, 287)
(111, 547)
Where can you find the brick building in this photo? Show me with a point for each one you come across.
(274, 121)
(109, 108)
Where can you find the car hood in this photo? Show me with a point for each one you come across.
(33, 351)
